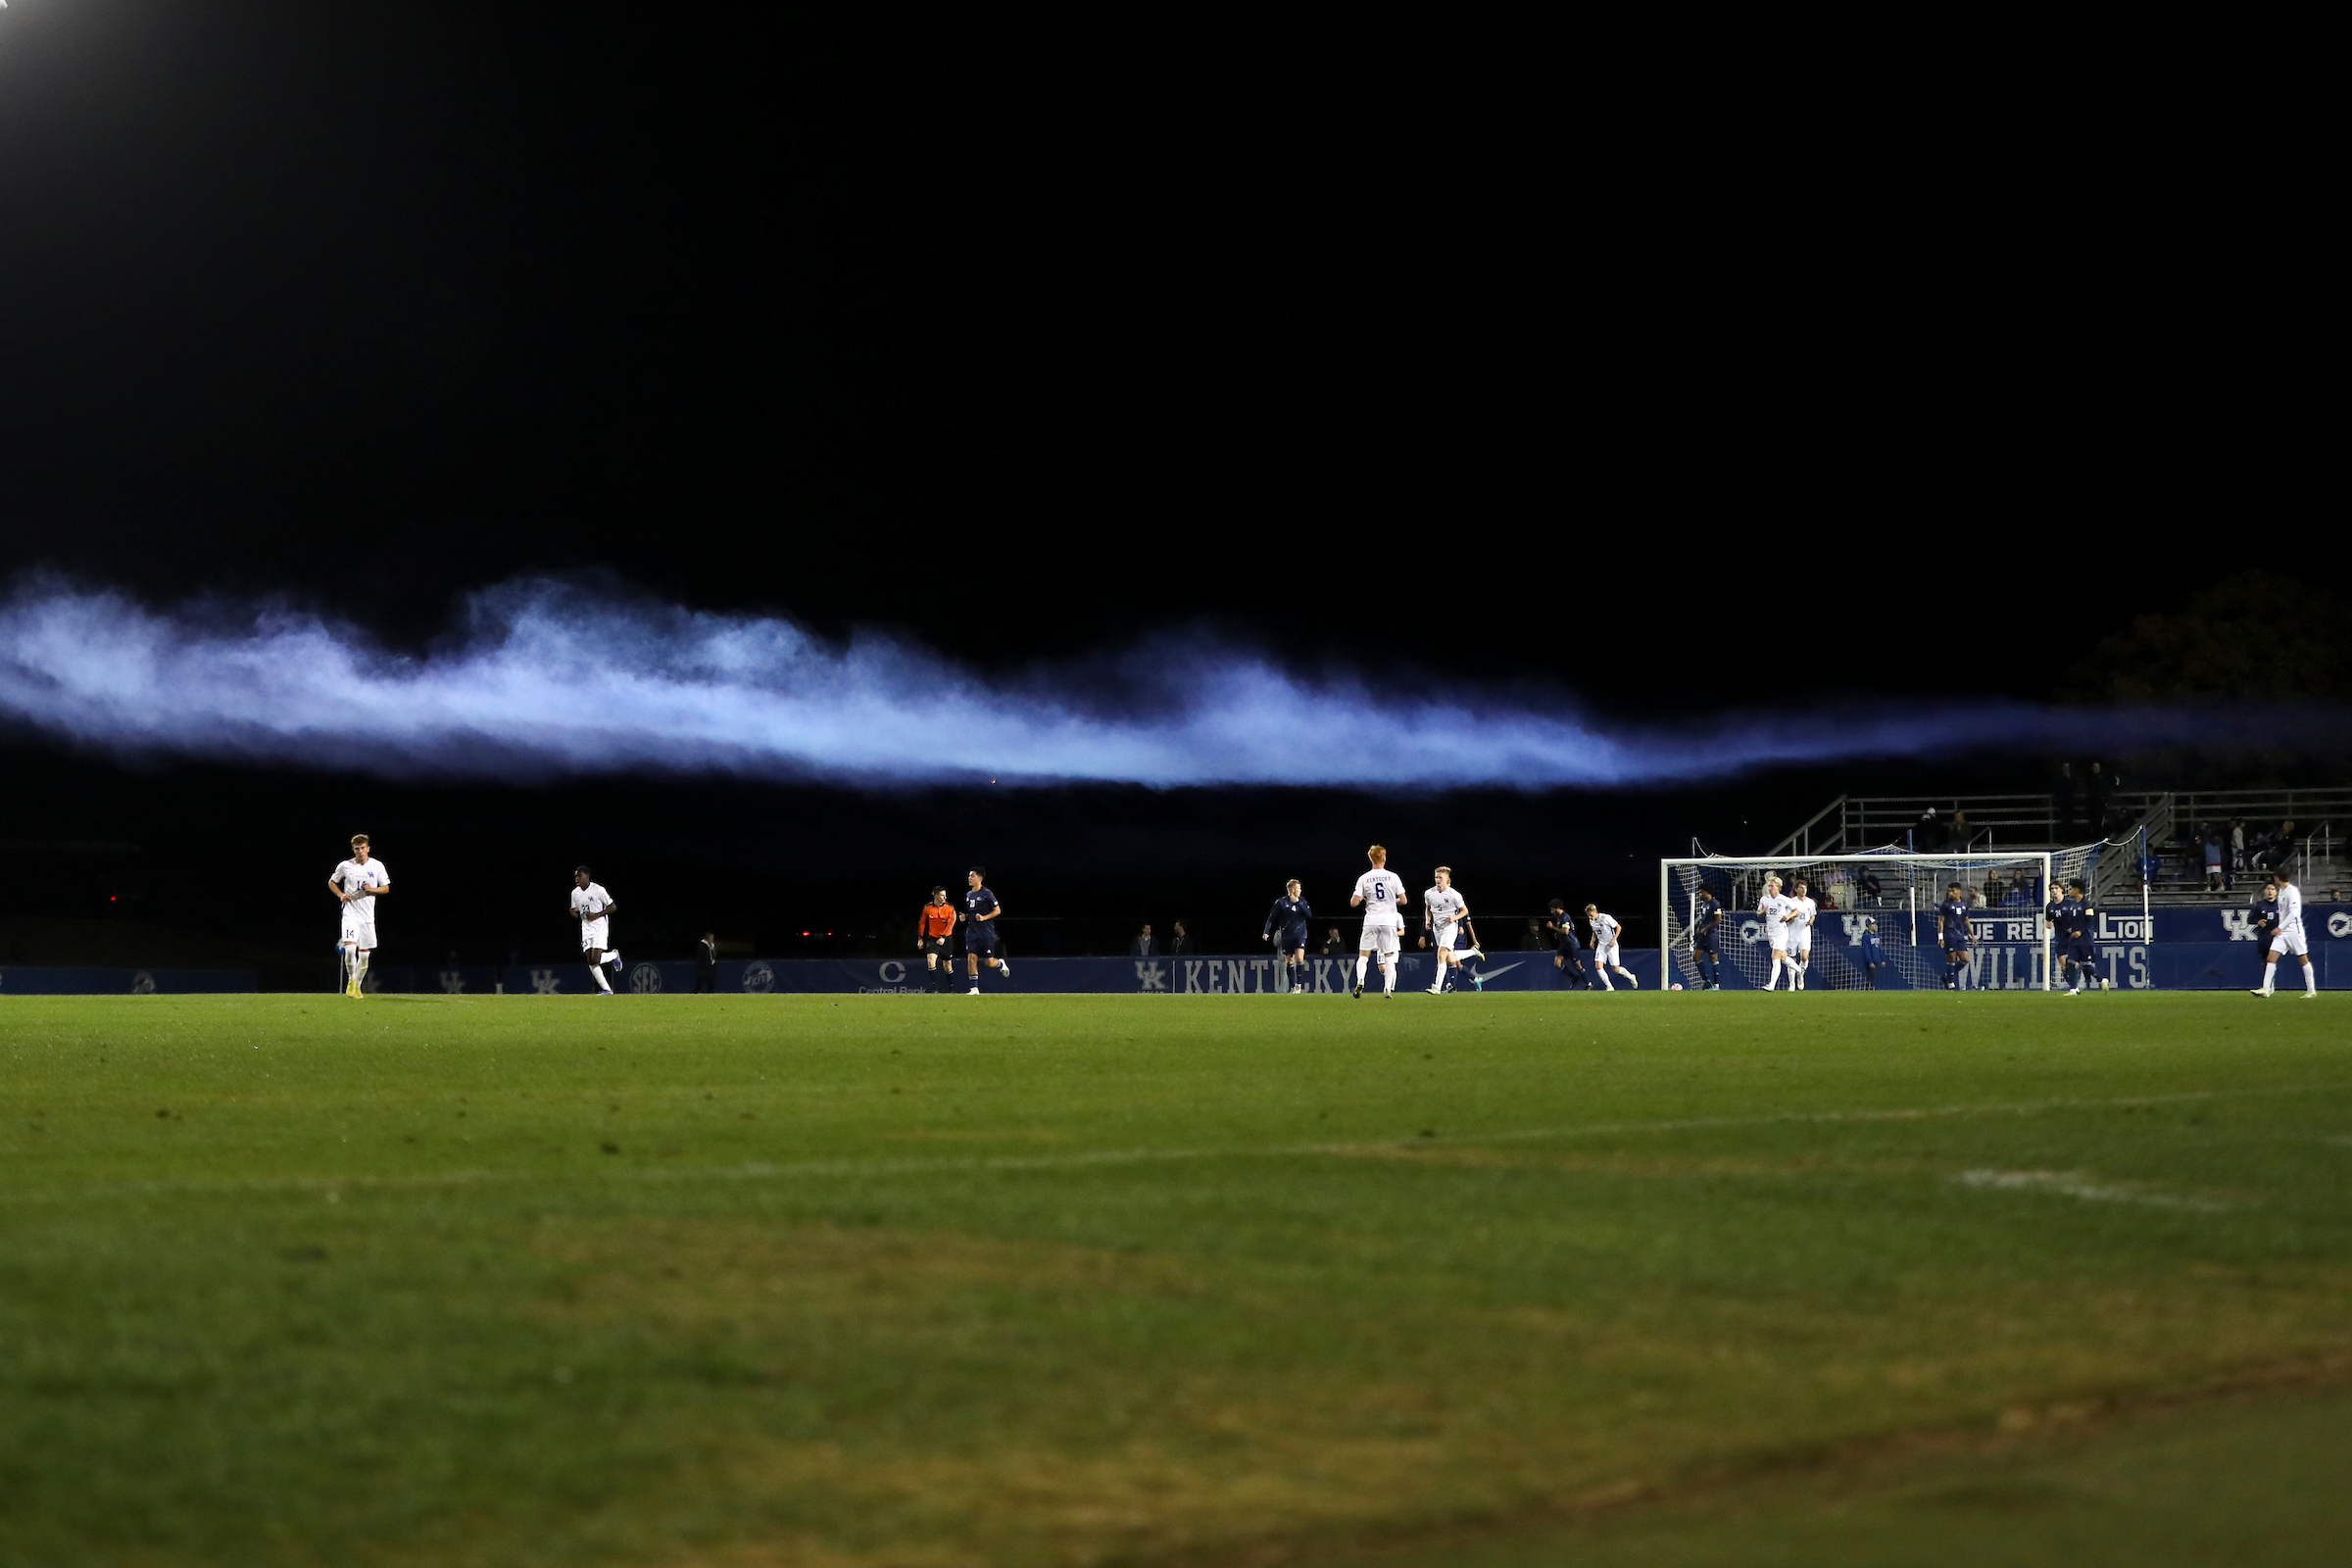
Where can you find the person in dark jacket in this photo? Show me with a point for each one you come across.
(1144, 945)
(1873, 955)
(705, 963)
(1182, 941)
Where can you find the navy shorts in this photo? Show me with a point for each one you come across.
(978, 938)
(2081, 953)
(1290, 939)
(1955, 944)
(1704, 942)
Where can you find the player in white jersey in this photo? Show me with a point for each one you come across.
(1604, 947)
(2288, 937)
(1380, 894)
(592, 907)
(357, 884)
(1773, 909)
(1801, 914)
(1444, 912)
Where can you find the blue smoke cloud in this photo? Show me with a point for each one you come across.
(544, 678)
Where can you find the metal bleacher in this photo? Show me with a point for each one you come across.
(2170, 821)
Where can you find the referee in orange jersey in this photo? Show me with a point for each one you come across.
(932, 930)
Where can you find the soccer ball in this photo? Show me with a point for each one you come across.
(1677, 985)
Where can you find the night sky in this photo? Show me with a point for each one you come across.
(1525, 363)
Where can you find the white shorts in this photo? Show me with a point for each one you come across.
(359, 930)
(1606, 957)
(1801, 940)
(1379, 936)
(592, 934)
(2289, 942)
(1778, 936)
(1443, 940)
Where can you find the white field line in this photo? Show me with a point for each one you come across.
(2076, 1183)
(767, 1170)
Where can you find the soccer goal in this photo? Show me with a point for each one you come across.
(1892, 894)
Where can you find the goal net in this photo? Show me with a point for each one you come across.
(1892, 895)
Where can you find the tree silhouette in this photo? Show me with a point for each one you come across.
(2257, 634)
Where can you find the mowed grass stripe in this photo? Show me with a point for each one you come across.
(1236, 1309)
(760, 1170)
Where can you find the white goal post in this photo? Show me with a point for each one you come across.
(1896, 893)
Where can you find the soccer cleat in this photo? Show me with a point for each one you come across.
(1359, 989)
(1632, 984)
(1478, 953)
(2260, 990)
(1435, 991)
(353, 990)
(975, 991)
(1004, 970)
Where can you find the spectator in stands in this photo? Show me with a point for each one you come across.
(2238, 851)
(1537, 940)
(1182, 941)
(1144, 945)
(1995, 891)
(1960, 830)
(1866, 885)
(2021, 893)
(1334, 945)
(1927, 834)
(2209, 836)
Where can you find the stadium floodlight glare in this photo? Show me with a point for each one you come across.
(1909, 887)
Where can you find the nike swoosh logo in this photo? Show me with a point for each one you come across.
(1489, 974)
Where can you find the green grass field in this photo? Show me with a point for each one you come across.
(1489, 1282)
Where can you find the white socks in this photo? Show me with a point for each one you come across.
(1387, 972)
(2310, 982)
(1777, 962)
(2270, 972)
(358, 964)
(602, 984)
(1361, 960)
(1797, 971)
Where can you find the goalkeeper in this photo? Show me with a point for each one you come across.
(1705, 919)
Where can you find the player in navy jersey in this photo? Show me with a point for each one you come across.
(980, 911)
(1561, 928)
(1286, 928)
(2265, 912)
(1951, 925)
(2053, 915)
(1705, 919)
(2077, 919)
